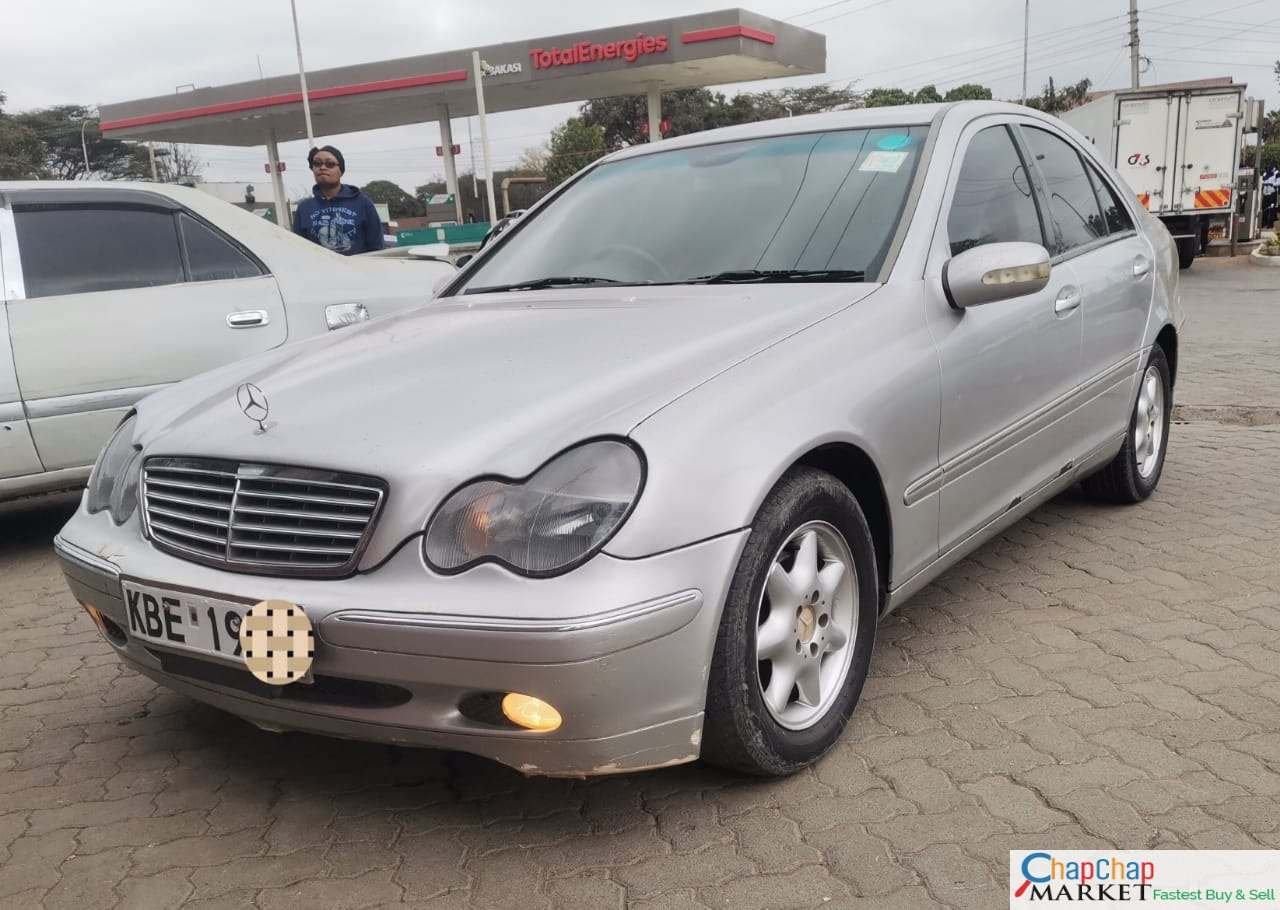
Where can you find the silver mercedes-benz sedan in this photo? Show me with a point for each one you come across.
(637, 489)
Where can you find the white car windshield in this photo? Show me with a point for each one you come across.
(810, 206)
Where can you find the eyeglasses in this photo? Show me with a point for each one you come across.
(319, 163)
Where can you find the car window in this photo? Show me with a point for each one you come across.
(814, 201)
(75, 249)
(1073, 206)
(212, 257)
(1114, 213)
(993, 202)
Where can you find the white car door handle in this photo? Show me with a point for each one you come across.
(248, 319)
(1141, 266)
(1067, 300)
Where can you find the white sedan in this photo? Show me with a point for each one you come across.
(114, 290)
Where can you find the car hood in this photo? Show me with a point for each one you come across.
(494, 383)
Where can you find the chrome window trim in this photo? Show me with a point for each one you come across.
(61, 405)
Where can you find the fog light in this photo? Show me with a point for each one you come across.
(530, 713)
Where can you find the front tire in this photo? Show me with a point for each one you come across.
(797, 631)
(1133, 474)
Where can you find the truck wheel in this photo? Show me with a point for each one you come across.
(1187, 251)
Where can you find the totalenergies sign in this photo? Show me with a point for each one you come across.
(630, 50)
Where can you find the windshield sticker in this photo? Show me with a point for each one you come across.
(894, 142)
(884, 162)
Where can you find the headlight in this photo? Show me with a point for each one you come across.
(114, 482)
(551, 522)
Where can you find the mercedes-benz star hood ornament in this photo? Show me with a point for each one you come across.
(253, 403)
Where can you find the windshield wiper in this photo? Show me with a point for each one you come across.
(762, 276)
(537, 284)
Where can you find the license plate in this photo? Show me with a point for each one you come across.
(180, 619)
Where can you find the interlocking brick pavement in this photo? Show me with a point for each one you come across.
(1095, 677)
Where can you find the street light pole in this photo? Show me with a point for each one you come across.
(1026, 36)
(302, 76)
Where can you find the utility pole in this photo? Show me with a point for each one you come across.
(302, 77)
(151, 153)
(1026, 36)
(1133, 43)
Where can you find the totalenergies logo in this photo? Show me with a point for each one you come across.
(630, 50)
(1104, 878)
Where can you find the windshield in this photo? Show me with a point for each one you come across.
(825, 204)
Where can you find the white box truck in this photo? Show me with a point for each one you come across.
(1177, 146)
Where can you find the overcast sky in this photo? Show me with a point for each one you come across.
(78, 51)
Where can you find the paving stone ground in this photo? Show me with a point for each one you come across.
(1094, 677)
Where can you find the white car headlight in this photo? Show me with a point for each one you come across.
(547, 524)
(114, 482)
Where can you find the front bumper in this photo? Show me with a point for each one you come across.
(621, 648)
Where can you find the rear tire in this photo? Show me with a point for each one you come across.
(1133, 474)
(1187, 248)
(796, 634)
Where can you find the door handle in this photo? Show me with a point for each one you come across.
(248, 319)
(1067, 300)
(1141, 266)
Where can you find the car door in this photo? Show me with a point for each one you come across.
(1006, 366)
(17, 451)
(1113, 264)
(124, 293)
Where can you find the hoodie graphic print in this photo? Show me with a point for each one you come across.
(346, 224)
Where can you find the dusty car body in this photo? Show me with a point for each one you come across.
(669, 503)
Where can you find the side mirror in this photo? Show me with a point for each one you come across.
(464, 259)
(995, 271)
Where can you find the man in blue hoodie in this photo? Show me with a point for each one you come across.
(337, 216)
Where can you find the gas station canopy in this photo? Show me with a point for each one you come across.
(643, 58)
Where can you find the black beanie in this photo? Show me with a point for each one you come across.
(342, 162)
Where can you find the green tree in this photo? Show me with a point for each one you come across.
(574, 144)
(21, 154)
(625, 118)
(59, 131)
(1270, 156)
(889, 97)
(1271, 127)
(398, 202)
(968, 92)
(1055, 101)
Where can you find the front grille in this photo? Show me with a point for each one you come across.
(264, 519)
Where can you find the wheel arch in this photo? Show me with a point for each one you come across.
(1168, 341)
(854, 468)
